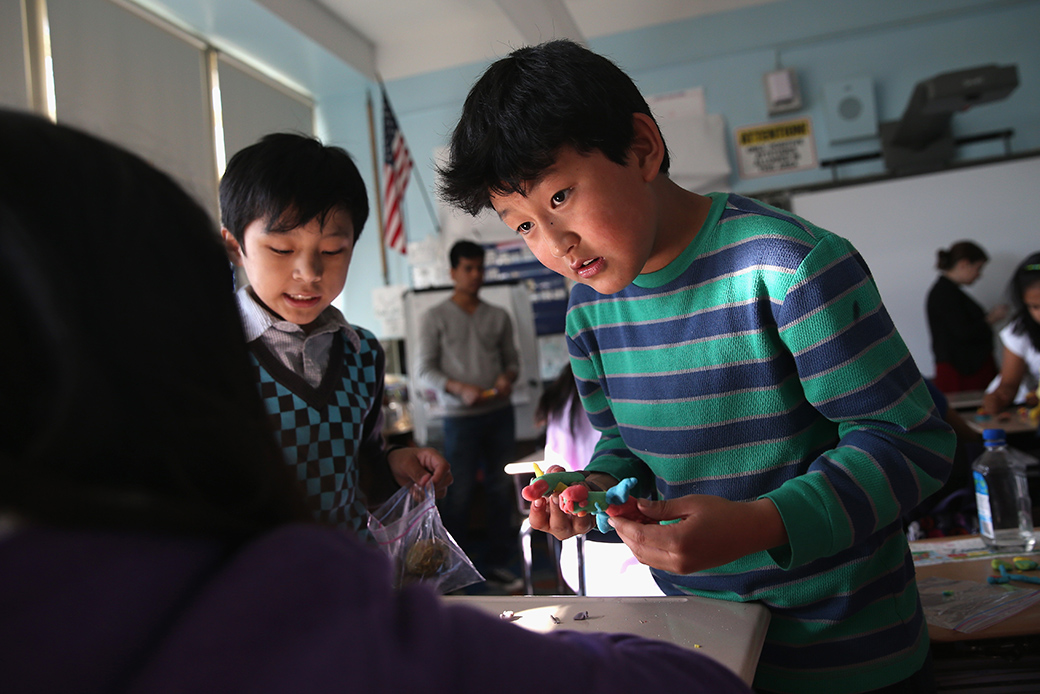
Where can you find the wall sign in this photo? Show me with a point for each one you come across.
(774, 148)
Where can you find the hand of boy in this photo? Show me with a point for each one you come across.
(709, 531)
(418, 466)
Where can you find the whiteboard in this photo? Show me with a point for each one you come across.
(899, 225)
(512, 297)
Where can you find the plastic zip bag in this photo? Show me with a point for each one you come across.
(409, 530)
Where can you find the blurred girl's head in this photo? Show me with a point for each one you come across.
(128, 400)
(1025, 298)
(962, 262)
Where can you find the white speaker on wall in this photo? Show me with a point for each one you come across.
(849, 109)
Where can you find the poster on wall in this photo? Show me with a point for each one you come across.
(775, 148)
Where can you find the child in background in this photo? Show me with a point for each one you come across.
(1020, 366)
(738, 362)
(570, 438)
(962, 336)
(151, 537)
(292, 212)
(608, 566)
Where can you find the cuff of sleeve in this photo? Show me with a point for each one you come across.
(808, 530)
(620, 470)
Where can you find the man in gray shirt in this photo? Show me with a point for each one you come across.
(467, 355)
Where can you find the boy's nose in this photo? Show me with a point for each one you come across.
(561, 242)
(309, 269)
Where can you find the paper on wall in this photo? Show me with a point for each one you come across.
(388, 305)
(696, 140)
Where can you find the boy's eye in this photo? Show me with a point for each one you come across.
(336, 252)
(280, 251)
(559, 197)
(524, 228)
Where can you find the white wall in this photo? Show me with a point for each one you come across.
(899, 226)
(13, 85)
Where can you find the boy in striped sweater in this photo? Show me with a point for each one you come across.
(737, 360)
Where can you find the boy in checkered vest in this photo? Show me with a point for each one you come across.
(292, 210)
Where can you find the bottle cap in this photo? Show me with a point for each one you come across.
(994, 436)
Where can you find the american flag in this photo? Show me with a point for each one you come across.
(397, 167)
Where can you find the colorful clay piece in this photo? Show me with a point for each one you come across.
(1003, 577)
(616, 501)
(547, 484)
(579, 500)
(1024, 563)
(1020, 563)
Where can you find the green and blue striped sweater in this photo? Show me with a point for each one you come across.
(762, 363)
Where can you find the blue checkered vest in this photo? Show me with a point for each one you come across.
(324, 431)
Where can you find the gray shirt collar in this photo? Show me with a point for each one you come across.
(257, 320)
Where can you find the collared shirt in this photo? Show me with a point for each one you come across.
(307, 355)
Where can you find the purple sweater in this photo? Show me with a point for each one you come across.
(302, 609)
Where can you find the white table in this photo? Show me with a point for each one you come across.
(730, 632)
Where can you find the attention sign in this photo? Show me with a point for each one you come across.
(774, 148)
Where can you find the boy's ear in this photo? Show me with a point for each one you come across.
(647, 147)
(231, 245)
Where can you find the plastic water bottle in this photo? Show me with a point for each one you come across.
(1002, 496)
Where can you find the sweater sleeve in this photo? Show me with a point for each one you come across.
(429, 367)
(507, 347)
(894, 449)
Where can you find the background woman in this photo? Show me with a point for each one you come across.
(962, 336)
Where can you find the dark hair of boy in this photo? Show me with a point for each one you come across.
(1027, 274)
(289, 179)
(962, 250)
(127, 401)
(533, 110)
(465, 249)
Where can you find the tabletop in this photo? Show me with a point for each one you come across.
(730, 632)
(976, 566)
(1014, 420)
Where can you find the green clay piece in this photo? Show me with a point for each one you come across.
(1023, 564)
(556, 479)
(997, 563)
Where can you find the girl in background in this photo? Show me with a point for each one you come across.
(1020, 365)
(570, 438)
(962, 336)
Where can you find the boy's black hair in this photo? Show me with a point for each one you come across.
(289, 179)
(1027, 274)
(465, 249)
(528, 105)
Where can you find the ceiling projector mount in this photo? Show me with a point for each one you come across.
(922, 140)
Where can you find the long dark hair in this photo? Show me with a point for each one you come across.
(556, 396)
(1027, 275)
(127, 401)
